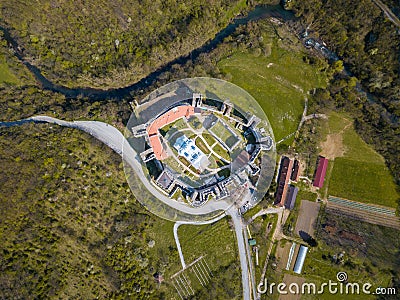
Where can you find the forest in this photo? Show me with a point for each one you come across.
(106, 44)
(368, 45)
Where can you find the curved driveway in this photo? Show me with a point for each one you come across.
(114, 139)
(179, 223)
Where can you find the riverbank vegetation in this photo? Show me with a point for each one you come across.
(106, 44)
(22, 97)
(368, 44)
(11, 71)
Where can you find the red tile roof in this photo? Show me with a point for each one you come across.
(167, 118)
(158, 149)
(321, 172)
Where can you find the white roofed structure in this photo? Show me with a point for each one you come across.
(188, 149)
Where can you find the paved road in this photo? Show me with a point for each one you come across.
(114, 139)
(315, 116)
(266, 211)
(305, 117)
(237, 222)
(241, 241)
(250, 262)
(389, 14)
(275, 236)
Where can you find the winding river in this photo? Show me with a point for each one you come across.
(259, 12)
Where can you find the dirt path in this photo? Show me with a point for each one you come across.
(333, 146)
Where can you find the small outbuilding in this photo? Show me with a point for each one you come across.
(295, 171)
(252, 242)
(291, 197)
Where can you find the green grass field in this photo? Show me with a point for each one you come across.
(354, 146)
(221, 152)
(278, 82)
(361, 181)
(259, 231)
(209, 139)
(207, 240)
(179, 124)
(6, 76)
(217, 243)
(199, 143)
(224, 134)
(360, 174)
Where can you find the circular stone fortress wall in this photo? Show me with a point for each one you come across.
(200, 146)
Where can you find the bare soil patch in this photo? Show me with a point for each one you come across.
(307, 217)
(282, 255)
(288, 279)
(333, 146)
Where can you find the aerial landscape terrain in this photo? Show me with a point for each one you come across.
(222, 149)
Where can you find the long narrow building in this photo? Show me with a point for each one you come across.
(283, 179)
(291, 197)
(321, 172)
(163, 120)
(301, 256)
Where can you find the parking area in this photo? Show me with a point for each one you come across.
(307, 218)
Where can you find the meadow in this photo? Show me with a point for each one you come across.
(365, 182)
(357, 172)
(5, 75)
(279, 82)
(12, 72)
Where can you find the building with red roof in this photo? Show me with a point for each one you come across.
(321, 172)
(157, 147)
(165, 119)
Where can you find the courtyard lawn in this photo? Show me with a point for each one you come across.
(224, 134)
(209, 139)
(221, 152)
(202, 146)
(173, 164)
(179, 124)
